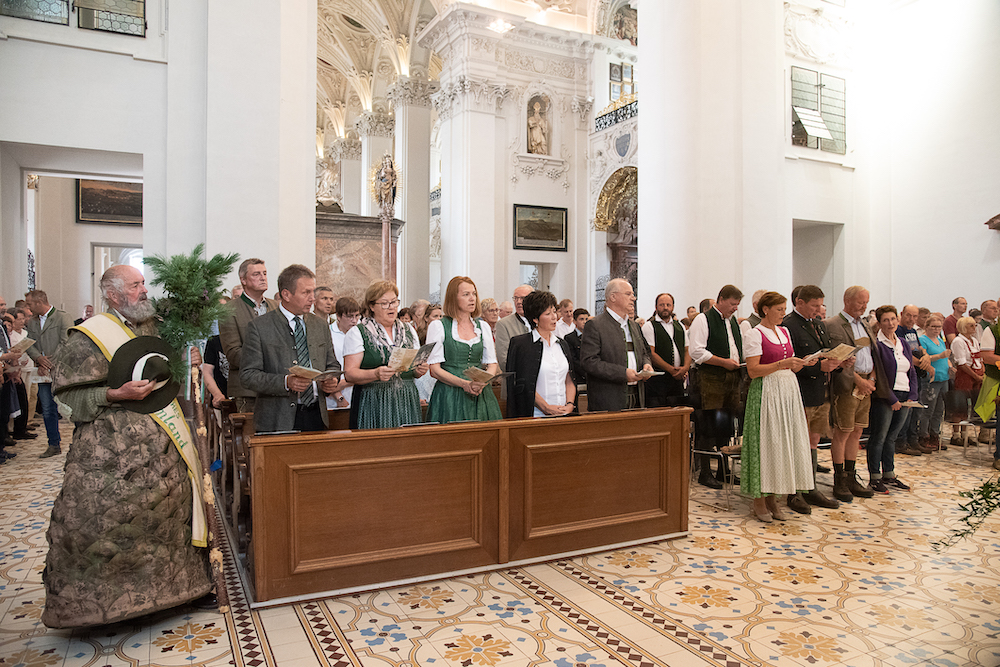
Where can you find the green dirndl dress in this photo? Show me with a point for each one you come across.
(452, 404)
(384, 404)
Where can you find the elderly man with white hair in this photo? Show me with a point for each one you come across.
(127, 531)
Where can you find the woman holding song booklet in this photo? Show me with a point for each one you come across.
(463, 342)
(384, 393)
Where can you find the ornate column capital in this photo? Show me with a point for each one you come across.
(411, 92)
(471, 94)
(345, 149)
(375, 124)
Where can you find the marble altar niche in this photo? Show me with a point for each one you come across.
(349, 250)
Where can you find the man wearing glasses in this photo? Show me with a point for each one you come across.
(514, 324)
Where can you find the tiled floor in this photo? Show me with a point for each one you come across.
(858, 586)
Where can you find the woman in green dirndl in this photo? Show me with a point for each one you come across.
(463, 341)
(382, 398)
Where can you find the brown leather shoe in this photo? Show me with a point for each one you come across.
(909, 452)
(797, 503)
(820, 499)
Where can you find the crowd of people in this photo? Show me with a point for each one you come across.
(786, 378)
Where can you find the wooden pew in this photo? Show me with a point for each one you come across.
(343, 509)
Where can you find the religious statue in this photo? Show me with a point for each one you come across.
(385, 187)
(538, 129)
(328, 186)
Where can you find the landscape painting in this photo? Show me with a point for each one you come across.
(539, 228)
(110, 202)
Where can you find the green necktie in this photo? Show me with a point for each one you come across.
(302, 351)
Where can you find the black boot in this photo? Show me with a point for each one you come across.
(705, 477)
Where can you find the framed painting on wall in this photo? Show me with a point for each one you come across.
(108, 202)
(616, 91)
(539, 228)
(616, 71)
(626, 72)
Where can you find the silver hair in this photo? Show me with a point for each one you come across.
(112, 285)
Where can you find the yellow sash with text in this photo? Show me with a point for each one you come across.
(109, 333)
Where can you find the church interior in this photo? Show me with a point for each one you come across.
(777, 143)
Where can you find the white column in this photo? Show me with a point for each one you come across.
(470, 196)
(375, 131)
(261, 140)
(352, 186)
(668, 159)
(766, 242)
(411, 101)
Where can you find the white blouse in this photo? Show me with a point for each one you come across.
(752, 345)
(962, 349)
(551, 383)
(435, 334)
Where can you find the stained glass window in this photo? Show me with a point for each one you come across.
(49, 11)
(123, 16)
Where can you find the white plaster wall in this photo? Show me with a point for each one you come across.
(945, 143)
(60, 104)
(64, 246)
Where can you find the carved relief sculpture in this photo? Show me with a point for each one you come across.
(328, 182)
(625, 25)
(538, 125)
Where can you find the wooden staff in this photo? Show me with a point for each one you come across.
(208, 491)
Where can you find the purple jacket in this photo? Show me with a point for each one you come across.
(885, 361)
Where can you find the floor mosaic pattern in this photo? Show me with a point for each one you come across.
(858, 586)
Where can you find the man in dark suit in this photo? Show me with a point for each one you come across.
(251, 303)
(851, 387)
(580, 317)
(809, 336)
(613, 351)
(280, 339)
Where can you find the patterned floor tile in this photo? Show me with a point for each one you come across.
(860, 585)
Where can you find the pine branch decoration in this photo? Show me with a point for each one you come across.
(193, 289)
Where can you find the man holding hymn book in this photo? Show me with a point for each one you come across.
(284, 339)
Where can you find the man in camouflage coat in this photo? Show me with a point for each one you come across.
(120, 538)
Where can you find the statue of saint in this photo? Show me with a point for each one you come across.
(385, 186)
(538, 131)
(327, 189)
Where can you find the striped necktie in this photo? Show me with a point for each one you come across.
(308, 397)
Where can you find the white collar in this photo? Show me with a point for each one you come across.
(618, 319)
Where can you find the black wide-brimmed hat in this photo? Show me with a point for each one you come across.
(145, 358)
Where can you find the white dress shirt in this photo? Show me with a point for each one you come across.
(563, 329)
(650, 335)
(339, 338)
(551, 384)
(698, 339)
(863, 359)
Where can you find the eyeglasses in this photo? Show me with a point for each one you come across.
(518, 299)
(351, 316)
(388, 304)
